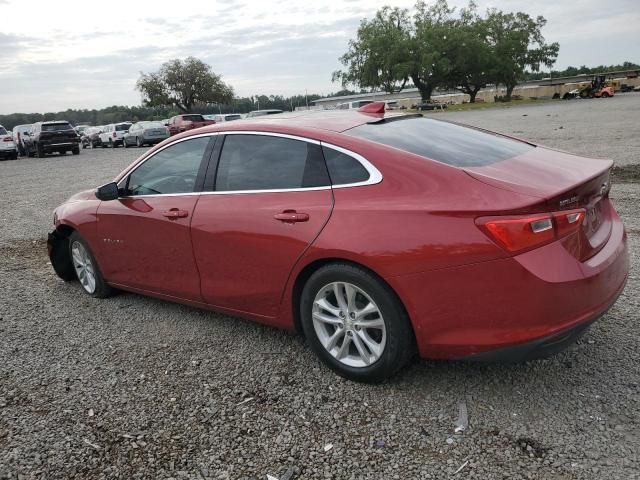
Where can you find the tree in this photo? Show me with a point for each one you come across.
(471, 54)
(432, 64)
(517, 43)
(183, 84)
(379, 57)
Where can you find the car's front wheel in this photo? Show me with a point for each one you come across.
(86, 268)
(355, 323)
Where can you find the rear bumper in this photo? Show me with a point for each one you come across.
(530, 301)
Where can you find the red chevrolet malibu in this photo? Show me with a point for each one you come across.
(375, 235)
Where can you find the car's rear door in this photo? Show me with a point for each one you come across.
(271, 199)
(145, 234)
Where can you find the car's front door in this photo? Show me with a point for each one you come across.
(272, 198)
(145, 235)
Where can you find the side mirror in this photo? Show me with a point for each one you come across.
(107, 192)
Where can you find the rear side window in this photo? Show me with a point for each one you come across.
(343, 168)
(442, 141)
(261, 162)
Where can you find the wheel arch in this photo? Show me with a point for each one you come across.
(308, 270)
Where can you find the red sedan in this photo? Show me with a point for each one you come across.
(375, 235)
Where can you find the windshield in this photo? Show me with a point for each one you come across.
(442, 141)
(192, 118)
(55, 127)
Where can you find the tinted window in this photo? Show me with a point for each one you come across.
(260, 162)
(343, 168)
(442, 141)
(54, 127)
(229, 118)
(193, 118)
(172, 170)
(122, 127)
(2, 131)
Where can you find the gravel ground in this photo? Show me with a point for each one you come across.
(133, 387)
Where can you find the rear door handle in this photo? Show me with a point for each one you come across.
(291, 216)
(175, 213)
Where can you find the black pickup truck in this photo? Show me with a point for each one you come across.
(49, 137)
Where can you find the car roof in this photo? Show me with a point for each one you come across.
(330, 120)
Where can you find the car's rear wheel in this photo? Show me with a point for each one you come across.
(86, 268)
(355, 323)
(39, 151)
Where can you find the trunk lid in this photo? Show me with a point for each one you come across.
(562, 181)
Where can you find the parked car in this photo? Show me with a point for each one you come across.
(377, 236)
(8, 148)
(145, 133)
(91, 137)
(49, 137)
(112, 135)
(224, 117)
(81, 128)
(430, 105)
(18, 132)
(353, 105)
(182, 123)
(260, 113)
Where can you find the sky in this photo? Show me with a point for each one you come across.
(84, 54)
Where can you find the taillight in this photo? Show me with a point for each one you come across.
(114, 135)
(7, 139)
(517, 234)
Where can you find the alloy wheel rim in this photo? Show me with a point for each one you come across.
(349, 324)
(84, 267)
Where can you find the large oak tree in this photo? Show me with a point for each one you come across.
(183, 83)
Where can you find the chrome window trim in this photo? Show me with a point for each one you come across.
(375, 176)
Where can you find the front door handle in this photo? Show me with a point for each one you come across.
(291, 216)
(175, 213)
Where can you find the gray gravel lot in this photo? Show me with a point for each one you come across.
(133, 387)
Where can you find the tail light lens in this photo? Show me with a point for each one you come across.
(517, 234)
(115, 134)
(7, 139)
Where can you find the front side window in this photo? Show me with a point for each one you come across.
(261, 162)
(171, 170)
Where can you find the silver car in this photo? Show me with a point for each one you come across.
(8, 147)
(145, 133)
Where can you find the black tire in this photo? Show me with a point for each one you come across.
(22, 151)
(39, 151)
(400, 340)
(605, 95)
(76, 151)
(14, 156)
(102, 290)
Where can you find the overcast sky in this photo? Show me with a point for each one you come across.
(85, 54)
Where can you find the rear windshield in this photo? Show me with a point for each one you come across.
(232, 117)
(442, 141)
(193, 118)
(2, 131)
(152, 125)
(122, 127)
(55, 127)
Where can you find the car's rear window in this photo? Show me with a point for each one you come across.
(232, 117)
(2, 131)
(193, 118)
(122, 127)
(55, 127)
(442, 141)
